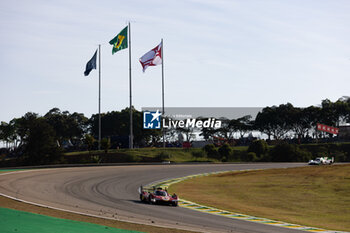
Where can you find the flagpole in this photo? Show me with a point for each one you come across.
(163, 93)
(99, 97)
(131, 133)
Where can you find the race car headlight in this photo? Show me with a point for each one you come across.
(153, 200)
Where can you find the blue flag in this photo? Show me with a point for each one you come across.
(91, 64)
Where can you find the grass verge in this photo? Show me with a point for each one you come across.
(177, 155)
(312, 196)
(29, 223)
(16, 205)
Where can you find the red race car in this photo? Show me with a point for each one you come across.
(158, 196)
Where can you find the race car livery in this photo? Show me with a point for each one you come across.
(322, 161)
(158, 196)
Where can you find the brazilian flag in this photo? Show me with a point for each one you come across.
(120, 41)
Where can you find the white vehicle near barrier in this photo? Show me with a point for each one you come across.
(322, 161)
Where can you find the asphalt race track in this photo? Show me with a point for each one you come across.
(112, 191)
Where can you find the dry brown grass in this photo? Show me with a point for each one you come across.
(313, 196)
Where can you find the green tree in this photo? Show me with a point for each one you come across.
(329, 115)
(89, 141)
(285, 152)
(106, 144)
(275, 121)
(211, 132)
(259, 147)
(263, 122)
(227, 130)
(23, 125)
(249, 157)
(188, 132)
(208, 133)
(225, 151)
(67, 126)
(40, 145)
(211, 151)
(117, 124)
(241, 125)
(7, 132)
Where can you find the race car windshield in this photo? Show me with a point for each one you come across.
(160, 193)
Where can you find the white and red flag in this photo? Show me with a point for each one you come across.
(328, 129)
(152, 58)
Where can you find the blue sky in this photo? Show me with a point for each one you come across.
(249, 53)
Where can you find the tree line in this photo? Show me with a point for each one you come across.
(57, 131)
(260, 151)
(71, 129)
(286, 122)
